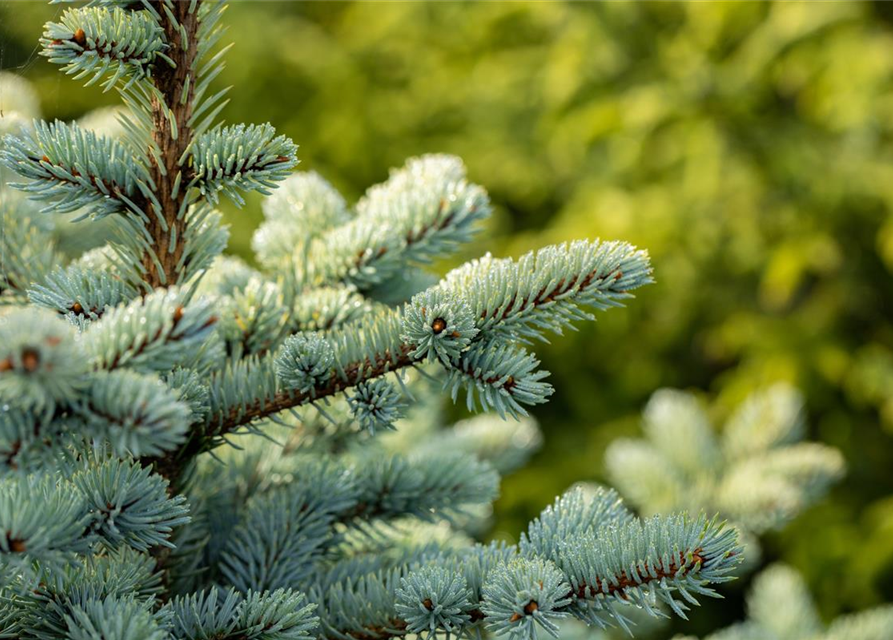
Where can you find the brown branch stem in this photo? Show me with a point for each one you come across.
(287, 400)
(175, 97)
(169, 466)
(624, 581)
(171, 84)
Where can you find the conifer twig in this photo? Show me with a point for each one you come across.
(179, 21)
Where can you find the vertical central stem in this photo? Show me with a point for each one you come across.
(178, 101)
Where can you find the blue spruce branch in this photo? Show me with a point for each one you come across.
(122, 515)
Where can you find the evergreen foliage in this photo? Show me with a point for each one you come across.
(757, 472)
(780, 607)
(744, 144)
(124, 374)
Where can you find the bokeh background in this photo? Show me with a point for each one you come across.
(748, 146)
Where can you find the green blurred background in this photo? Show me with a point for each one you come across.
(747, 146)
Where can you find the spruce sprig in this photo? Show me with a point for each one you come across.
(127, 372)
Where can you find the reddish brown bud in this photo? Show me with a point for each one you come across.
(30, 360)
(438, 325)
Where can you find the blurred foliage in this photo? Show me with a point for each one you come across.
(746, 145)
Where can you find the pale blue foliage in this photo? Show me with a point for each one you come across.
(544, 291)
(95, 41)
(226, 275)
(580, 510)
(81, 294)
(646, 562)
(286, 531)
(512, 594)
(500, 376)
(305, 362)
(252, 319)
(75, 169)
(21, 435)
(41, 361)
(328, 308)
(779, 605)
(433, 600)
(874, 624)
(277, 615)
(44, 610)
(755, 471)
(440, 485)
(402, 286)
(439, 328)
(241, 387)
(138, 414)
(240, 157)
(153, 333)
(523, 594)
(303, 207)
(376, 405)
(480, 560)
(505, 444)
(126, 4)
(128, 504)
(112, 618)
(204, 240)
(191, 390)
(51, 530)
(308, 201)
(205, 614)
(109, 426)
(27, 247)
(424, 210)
